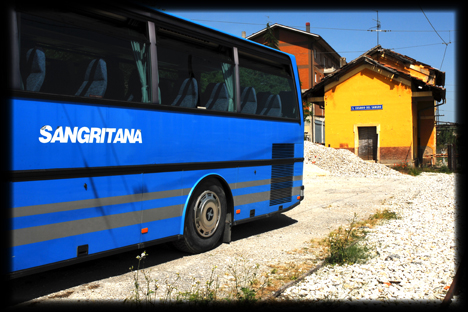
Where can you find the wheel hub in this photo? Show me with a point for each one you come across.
(207, 213)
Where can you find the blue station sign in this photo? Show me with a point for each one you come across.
(366, 107)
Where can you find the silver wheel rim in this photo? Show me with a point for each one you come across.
(207, 214)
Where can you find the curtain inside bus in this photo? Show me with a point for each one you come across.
(228, 73)
(139, 51)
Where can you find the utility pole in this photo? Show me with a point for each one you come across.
(378, 28)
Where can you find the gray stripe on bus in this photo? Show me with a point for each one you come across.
(95, 202)
(296, 190)
(115, 200)
(77, 227)
(251, 198)
(83, 226)
(239, 185)
(259, 197)
(257, 183)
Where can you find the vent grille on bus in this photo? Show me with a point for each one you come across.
(281, 175)
(284, 150)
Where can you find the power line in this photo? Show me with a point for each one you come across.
(330, 28)
(433, 27)
(417, 46)
(446, 44)
(362, 51)
(199, 20)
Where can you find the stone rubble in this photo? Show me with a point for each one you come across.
(341, 162)
(415, 256)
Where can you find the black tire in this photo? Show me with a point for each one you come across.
(205, 218)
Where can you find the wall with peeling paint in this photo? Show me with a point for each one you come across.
(394, 123)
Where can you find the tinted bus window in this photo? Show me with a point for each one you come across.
(68, 59)
(195, 75)
(269, 86)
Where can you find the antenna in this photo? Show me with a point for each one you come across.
(378, 27)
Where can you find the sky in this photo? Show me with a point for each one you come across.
(428, 36)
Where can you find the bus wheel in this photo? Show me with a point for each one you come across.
(205, 218)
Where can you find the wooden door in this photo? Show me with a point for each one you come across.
(367, 143)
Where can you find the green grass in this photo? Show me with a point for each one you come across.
(342, 244)
(414, 171)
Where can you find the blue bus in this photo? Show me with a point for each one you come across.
(130, 127)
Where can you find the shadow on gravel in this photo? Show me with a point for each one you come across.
(261, 226)
(41, 284)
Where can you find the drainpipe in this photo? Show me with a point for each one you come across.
(419, 158)
(313, 122)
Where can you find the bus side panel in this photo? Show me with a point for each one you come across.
(106, 212)
(65, 248)
(54, 135)
(51, 218)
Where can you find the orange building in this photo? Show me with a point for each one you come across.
(315, 59)
(382, 106)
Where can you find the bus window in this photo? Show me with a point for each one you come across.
(266, 89)
(63, 54)
(195, 75)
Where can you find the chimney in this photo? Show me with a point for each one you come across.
(308, 27)
(342, 61)
(243, 34)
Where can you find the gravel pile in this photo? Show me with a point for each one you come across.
(341, 162)
(415, 256)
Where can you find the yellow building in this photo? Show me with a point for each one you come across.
(382, 106)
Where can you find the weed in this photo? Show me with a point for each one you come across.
(342, 245)
(246, 286)
(407, 169)
(414, 171)
(245, 277)
(445, 169)
(136, 296)
(380, 215)
(202, 294)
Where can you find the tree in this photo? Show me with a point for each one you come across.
(446, 136)
(270, 39)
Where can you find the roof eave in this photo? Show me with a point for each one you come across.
(356, 62)
(275, 25)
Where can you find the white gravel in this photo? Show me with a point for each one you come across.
(415, 255)
(341, 162)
